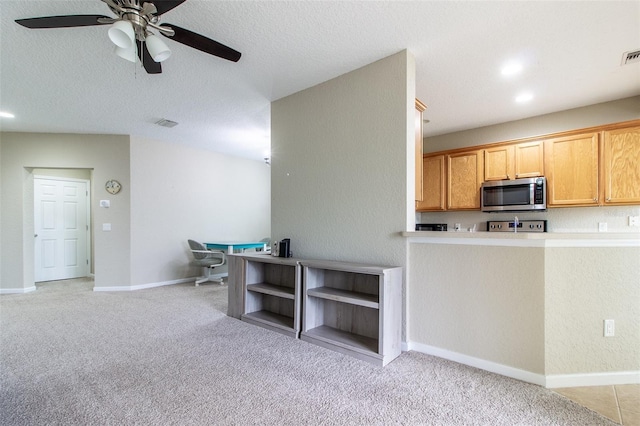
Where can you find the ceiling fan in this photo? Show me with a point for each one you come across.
(131, 31)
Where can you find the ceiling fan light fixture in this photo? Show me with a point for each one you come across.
(157, 48)
(129, 54)
(122, 35)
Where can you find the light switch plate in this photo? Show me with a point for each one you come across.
(609, 328)
(602, 226)
(105, 203)
(106, 227)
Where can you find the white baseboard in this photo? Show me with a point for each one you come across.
(144, 286)
(550, 381)
(17, 290)
(493, 367)
(593, 379)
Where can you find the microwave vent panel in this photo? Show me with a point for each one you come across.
(631, 57)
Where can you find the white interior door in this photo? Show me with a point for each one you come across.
(61, 228)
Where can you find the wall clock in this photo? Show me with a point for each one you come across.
(113, 186)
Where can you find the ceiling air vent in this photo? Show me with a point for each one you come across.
(166, 123)
(631, 57)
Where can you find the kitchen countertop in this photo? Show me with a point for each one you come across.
(526, 239)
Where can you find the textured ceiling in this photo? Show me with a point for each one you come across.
(69, 80)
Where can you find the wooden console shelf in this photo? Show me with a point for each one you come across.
(354, 309)
(271, 293)
(347, 307)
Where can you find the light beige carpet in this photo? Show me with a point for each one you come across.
(170, 356)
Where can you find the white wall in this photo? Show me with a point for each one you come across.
(340, 164)
(179, 193)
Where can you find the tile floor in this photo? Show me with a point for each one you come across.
(620, 403)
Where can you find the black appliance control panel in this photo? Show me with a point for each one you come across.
(431, 226)
(522, 226)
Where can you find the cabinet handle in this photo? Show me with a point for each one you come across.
(508, 176)
(595, 199)
(609, 199)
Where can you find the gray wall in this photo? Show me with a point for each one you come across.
(343, 165)
(481, 301)
(341, 154)
(108, 156)
(536, 309)
(170, 193)
(584, 286)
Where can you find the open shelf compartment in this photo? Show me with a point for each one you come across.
(354, 309)
(272, 293)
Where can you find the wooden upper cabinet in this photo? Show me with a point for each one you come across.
(514, 161)
(465, 172)
(420, 107)
(498, 162)
(571, 166)
(621, 168)
(529, 159)
(433, 170)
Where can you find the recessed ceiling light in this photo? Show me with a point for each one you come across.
(511, 68)
(5, 114)
(524, 97)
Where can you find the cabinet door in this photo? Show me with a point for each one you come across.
(529, 160)
(622, 166)
(497, 163)
(418, 148)
(434, 184)
(571, 165)
(465, 172)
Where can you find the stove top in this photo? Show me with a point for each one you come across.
(523, 226)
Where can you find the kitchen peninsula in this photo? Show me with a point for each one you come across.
(528, 305)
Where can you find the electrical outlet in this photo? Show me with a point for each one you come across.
(602, 227)
(609, 328)
(457, 227)
(634, 220)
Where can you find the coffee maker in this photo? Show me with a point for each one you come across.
(282, 248)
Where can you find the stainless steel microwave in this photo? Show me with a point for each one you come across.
(516, 195)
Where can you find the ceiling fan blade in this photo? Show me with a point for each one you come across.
(203, 43)
(61, 21)
(163, 6)
(148, 63)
